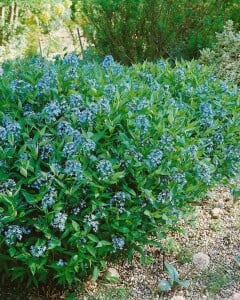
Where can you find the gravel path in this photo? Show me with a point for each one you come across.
(216, 234)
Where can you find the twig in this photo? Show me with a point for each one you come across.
(80, 42)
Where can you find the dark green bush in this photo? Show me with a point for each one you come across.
(100, 159)
(137, 30)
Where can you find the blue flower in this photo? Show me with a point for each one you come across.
(118, 243)
(142, 123)
(49, 198)
(64, 128)
(154, 158)
(107, 62)
(59, 221)
(73, 168)
(38, 251)
(104, 167)
(52, 111)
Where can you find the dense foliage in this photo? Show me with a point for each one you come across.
(23, 22)
(224, 57)
(133, 31)
(99, 159)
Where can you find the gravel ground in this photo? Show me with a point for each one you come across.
(216, 234)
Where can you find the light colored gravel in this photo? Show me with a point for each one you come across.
(217, 236)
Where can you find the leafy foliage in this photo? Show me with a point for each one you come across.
(224, 57)
(133, 31)
(167, 285)
(97, 158)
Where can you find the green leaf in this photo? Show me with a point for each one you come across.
(75, 226)
(183, 283)
(91, 250)
(93, 237)
(23, 172)
(172, 272)
(96, 272)
(33, 268)
(164, 285)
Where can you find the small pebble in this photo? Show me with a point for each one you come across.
(236, 296)
(177, 298)
(112, 272)
(201, 261)
(216, 212)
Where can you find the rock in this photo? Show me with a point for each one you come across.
(201, 261)
(216, 212)
(236, 296)
(220, 205)
(177, 298)
(111, 272)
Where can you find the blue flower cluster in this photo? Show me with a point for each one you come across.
(154, 158)
(179, 178)
(118, 243)
(7, 187)
(42, 180)
(15, 232)
(73, 168)
(64, 128)
(46, 151)
(107, 62)
(52, 111)
(70, 149)
(12, 127)
(119, 200)
(142, 123)
(38, 251)
(59, 221)
(49, 198)
(203, 172)
(47, 82)
(92, 222)
(105, 168)
(61, 263)
(164, 196)
(207, 114)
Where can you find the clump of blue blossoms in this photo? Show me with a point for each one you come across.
(142, 123)
(70, 149)
(73, 168)
(119, 200)
(52, 111)
(105, 168)
(107, 62)
(118, 243)
(164, 196)
(92, 222)
(46, 151)
(3, 134)
(59, 221)
(14, 233)
(38, 251)
(64, 128)
(203, 172)
(8, 187)
(49, 199)
(154, 158)
(12, 127)
(61, 263)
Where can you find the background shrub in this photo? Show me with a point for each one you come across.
(224, 57)
(149, 29)
(100, 159)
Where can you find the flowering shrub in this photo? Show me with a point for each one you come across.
(100, 159)
(225, 55)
